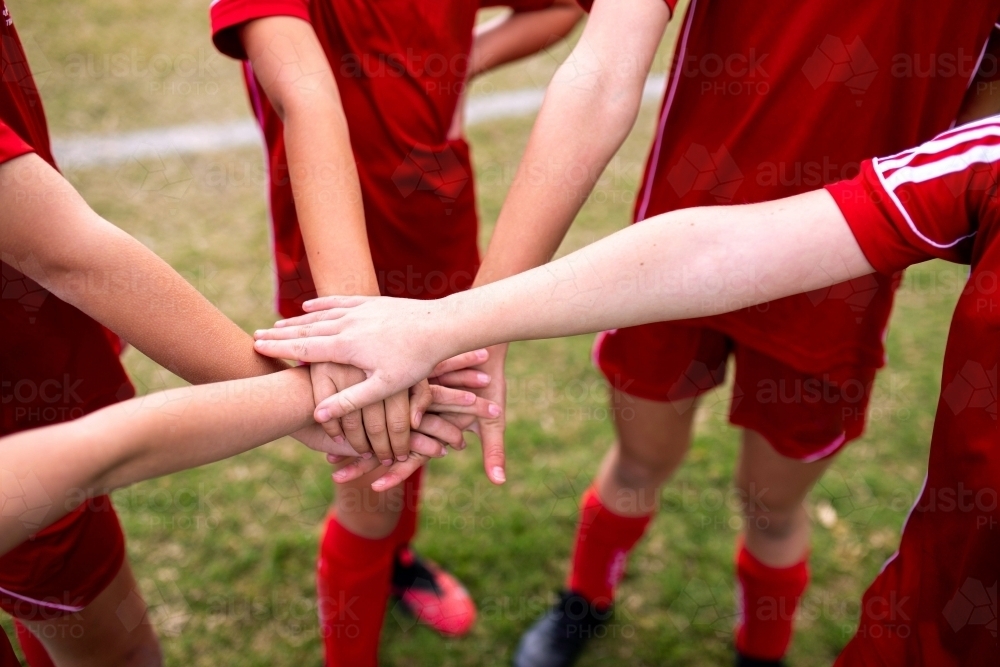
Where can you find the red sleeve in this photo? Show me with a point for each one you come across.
(587, 4)
(926, 202)
(11, 144)
(228, 15)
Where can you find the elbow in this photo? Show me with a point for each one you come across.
(606, 101)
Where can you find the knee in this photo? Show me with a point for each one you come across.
(146, 654)
(640, 472)
(775, 522)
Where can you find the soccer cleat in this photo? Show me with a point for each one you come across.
(557, 638)
(747, 661)
(432, 596)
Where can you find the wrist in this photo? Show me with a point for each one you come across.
(470, 322)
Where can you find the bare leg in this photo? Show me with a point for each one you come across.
(774, 488)
(112, 631)
(653, 439)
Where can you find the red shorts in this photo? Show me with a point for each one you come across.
(65, 566)
(804, 416)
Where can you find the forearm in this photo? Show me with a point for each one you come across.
(149, 437)
(321, 164)
(509, 37)
(688, 263)
(589, 109)
(53, 237)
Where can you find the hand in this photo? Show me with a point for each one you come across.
(382, 427)
(422, 451)
(394, 341)
(315, 438)
(490, 428)
(447, 426)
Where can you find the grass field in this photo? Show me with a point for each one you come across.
(226, 554)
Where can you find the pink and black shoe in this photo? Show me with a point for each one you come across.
(434, 597)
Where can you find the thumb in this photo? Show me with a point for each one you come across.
(494, 458)
(353, 398)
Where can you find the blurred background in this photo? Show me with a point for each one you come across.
(152, 125)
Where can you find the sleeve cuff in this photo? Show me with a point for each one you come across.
(11, 144)
(229, 15)
(872, 219)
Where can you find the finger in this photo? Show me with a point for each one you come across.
(494, 459)
(354, 431)
(355, 469)
(420, 398)
(441, 429)
(313, 350)
(324, 387)
(309, 318)
(399, 472)
(327, 302)
(442, 395)
(481, 407)
(397, 421)
(461, 361)
(426, 446)
(372, 390)
(334, 459)
(374, 419)
(310, 330)
(463, 378)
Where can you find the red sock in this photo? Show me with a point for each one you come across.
(603, 541)
(353, 577)
(767, 598)
(34, 652)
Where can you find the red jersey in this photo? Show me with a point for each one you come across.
(771, 99)
(56, 363)
(935, 601)
(400, 66)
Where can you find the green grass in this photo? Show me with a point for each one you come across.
(226, 554)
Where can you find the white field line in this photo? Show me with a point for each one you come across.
(92, 150)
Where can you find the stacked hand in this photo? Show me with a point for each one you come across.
(339, 330)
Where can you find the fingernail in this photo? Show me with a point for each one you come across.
(339, 439)
(257, 333)
(260, 343)
(444, 452)
(387, 462)
(401, 457)
(483, 377)
(366, 455)
(419, 417)
(482, 354)
(377, 485)
(494, 410)
(499, 475)
(323, 415)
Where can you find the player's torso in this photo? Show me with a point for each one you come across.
(400, 67)
(773, 98)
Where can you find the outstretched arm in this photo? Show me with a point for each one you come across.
(589, 108)
(687, 263)
(50, 234)
(148, 437)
